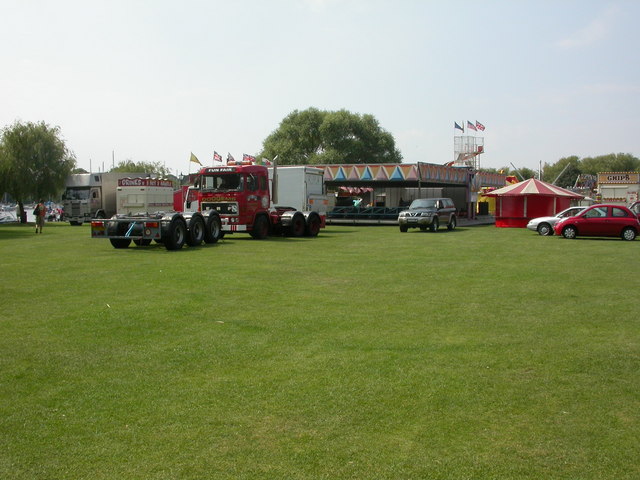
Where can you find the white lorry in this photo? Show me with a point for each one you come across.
(91, 195)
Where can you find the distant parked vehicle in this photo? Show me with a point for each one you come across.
(428, 213)
(600, 221)
(544, 225)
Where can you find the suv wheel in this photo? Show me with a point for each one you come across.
(435, 224)
(452, 224)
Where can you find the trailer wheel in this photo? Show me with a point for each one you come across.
(313, 226)
(260, 229)
(195, 235)
(120, 242)
(296, 229)
(213, 230)
(176, 234)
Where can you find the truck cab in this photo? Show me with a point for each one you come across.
(82, 197)
(239, 193)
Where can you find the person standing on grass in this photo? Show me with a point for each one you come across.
(40, 212)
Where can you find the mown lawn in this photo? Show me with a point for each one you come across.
(365, 353)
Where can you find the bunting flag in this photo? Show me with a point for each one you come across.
(479, 126)
(194, 159)
(248, 158)
(217, 157)
(455, 125)
(471, 126)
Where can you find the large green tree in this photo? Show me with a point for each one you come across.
(314, 136)
(34, 162)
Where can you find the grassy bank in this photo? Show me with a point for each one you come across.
(364, 353)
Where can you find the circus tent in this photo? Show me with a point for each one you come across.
(518, 203)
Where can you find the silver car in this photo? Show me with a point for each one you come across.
(544, 225)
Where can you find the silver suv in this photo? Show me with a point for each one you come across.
(428, 213)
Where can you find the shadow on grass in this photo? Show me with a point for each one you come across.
(17, 231)
(442, 231)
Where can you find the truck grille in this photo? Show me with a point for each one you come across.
(223, 208)
(75, 209)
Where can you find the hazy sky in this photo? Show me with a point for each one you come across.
(155, 80)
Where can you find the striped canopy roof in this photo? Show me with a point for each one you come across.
(533, 187)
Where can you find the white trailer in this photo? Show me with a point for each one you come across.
(300, 187)
(143, 195)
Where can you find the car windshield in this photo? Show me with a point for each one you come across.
(423, 203)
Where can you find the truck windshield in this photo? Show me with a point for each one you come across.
(76, 194)
(222, 182)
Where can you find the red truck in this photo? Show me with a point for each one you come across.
(261, 201)
(223, 200)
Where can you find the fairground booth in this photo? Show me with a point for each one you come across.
(518, 203)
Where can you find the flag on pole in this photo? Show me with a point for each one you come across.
(217, 157)
(230, 158)
(194, 159)
(455, 125)
(471, 126)
(248, 158)
(479, 126)
(266, 161)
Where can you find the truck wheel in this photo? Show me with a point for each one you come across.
(312, 228)
(213, 230)
(296, 229)
(120, 242)
(195, 235)
(176, 234)
(260, 229)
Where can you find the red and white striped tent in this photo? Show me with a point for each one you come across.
(518, 203)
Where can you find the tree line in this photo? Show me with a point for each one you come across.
(566, 171)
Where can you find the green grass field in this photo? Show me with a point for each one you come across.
(365, 353)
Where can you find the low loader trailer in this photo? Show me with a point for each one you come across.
(134, 223)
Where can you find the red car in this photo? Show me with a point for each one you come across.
(600, 221)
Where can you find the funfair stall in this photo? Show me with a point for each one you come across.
(518, 203)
